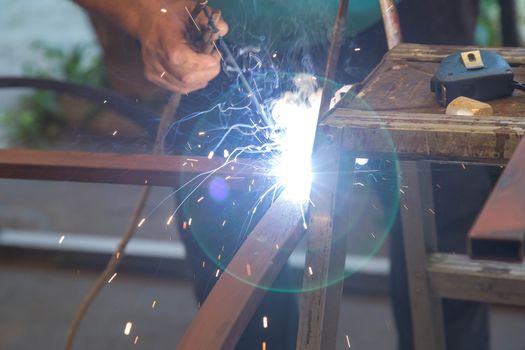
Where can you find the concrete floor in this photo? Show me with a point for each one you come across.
(37, 304)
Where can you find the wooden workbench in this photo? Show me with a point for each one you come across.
(393, 114)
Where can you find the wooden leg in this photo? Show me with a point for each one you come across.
(325, 259)
(419, 236)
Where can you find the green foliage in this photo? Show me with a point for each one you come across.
(488, 31)
(39, 116)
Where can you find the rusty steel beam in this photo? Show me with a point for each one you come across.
(239, 290)
(134, 169)
(499, 231)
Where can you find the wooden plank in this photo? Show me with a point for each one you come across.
(419, 239)
(457, 277)
(135, 169)
(402, 82)
(325, 258)
(428, 136)
(232, 302)
(435, 53)
(499, 230)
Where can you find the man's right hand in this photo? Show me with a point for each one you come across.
(170, 62)
(161, 27)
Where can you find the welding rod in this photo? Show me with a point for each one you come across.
(333, 59)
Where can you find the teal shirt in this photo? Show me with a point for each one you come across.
(281, 23)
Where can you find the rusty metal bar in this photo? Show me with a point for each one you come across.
(391, 23)
(499, 231)
(234, 299)
(134, 169)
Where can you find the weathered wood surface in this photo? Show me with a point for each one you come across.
(135, 169)
(423, 136)
(234, 299)
(458, 277)
(419, 238)
(395, 112)
(326, 250)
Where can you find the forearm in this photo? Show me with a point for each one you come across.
(129, 14)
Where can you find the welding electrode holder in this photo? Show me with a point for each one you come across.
(482, 75)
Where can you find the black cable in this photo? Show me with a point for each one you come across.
(518, 86)
(100, 96)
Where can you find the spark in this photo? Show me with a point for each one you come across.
(217, 273)
(141, 222)
(372, 234)
(405, 206)
(200, 199)
(401, 190)
(357, 49)
(263, 345)
(112, 277)
(226, 153)
(115, 133)
(431, 211)
(310, 271)
(162, 74)
(210, 155)
(163, 10)
(265, 322)
(348, 341)
(190, 220)
(127, 328)
(184, 225)
(463, 166)
(223, 223)
(153, 304)
(170, 219)
(136, 340)
(248, 269)
(105, 101)
(61, 240)
(202, 133)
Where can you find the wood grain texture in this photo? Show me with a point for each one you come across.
(419, 239)
(135, 169)
(232, 302)
(395, 113)
(458, 277)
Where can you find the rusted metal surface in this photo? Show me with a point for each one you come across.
(234, 299)
(135, 169)
(333, 58)
(499, 231)
(391, 23)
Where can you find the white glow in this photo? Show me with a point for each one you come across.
(295, 115)
(361, 161)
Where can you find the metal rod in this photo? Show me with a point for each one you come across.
(333, 59)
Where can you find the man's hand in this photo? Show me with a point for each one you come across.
(169, 59)
(161, 27)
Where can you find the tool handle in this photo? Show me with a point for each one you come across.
(202, 38)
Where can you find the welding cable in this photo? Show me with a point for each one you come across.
(168, 117)
(97, 95)
(518, 86)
